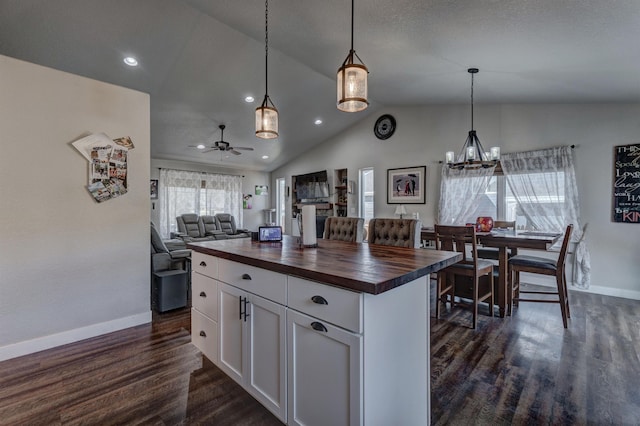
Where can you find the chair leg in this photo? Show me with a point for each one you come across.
(561, 295)
(491, 300)
(509, 292)
(516, 288)
(566, 294)
(438, 287)
(475, 301)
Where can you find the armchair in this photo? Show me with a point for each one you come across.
(194, 228)
(162, 258)
(209, 227)
(227, 223)
(188, 227)
(169, 275)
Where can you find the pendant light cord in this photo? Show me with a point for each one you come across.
(266, 47)
(352, 21)
(472, 101)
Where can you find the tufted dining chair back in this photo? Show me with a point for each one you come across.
(395, 232)
(344, 229)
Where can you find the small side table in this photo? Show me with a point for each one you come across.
(169, 290)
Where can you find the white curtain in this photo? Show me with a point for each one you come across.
(543, 183)
(182, 191)
(460, 193)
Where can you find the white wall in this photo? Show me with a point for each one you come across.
(252, 218)
(70, 268)
(425, 133)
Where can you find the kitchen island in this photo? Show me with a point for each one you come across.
(337, 334)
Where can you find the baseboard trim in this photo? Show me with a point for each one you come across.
(47, 342)
(605, 291)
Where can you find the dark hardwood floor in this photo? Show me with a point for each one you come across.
(526, 369)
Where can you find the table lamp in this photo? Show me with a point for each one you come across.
(400, 210)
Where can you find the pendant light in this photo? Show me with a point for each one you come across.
(266, 114)
(352, 80)
(473, 154)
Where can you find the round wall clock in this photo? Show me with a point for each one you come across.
(384, 127)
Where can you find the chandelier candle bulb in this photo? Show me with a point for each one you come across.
(495, 152)
(450, 157)
(471, 153)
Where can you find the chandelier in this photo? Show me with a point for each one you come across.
(266, 114)
(472, 154)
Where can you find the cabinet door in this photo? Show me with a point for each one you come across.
(324, 373)
(232, 331)
(266, 354)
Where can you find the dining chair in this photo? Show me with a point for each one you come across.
(543, 266)
(395, 232)
(456, 238)
(344, 229)
(492, 252)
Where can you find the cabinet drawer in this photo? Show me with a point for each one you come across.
(204, 264)
(205, 295)
(204, 335)
(268, 284)
(343, 308)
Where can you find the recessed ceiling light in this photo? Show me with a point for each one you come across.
(264, 157)
(318, 122)
(200, 146)
(131, 61)
(249, 99)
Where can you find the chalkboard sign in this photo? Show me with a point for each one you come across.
(626, 183)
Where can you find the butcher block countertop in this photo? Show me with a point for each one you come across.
(362, 267)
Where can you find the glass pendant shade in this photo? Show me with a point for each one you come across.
(266, 114)
(267, 120)
(352, 86)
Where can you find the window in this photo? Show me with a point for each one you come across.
(280, 203)
(201, 193)
(366, 195)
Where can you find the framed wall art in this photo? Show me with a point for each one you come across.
(626, 183)
(154, 189)
(406, 185)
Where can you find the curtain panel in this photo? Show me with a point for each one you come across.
(182, 191)
(544, 185)
(460, 192)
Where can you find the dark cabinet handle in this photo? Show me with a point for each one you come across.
(203, 294)
(246, 312)
(246, 276)
(203, 334)
(319, 300)
(318, 326)
(203, 264)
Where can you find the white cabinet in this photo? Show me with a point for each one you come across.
(357, 359)
(325, 373)
(204, 314)
(252, 348)
(312, 353)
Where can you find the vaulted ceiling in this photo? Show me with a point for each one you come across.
(199, 59)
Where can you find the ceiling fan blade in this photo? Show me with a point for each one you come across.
(215, 148)
(243, 148)
(233, 151)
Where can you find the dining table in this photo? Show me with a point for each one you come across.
(505, 240)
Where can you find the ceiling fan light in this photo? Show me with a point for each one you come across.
(352, 86)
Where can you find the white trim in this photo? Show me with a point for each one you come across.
(46, 342)
(549, 281)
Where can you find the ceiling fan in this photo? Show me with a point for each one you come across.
(223, 146)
